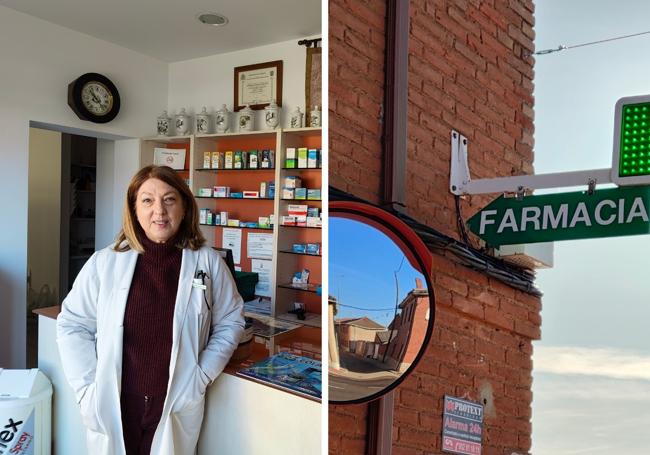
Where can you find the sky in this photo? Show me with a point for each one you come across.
(591, 390)
(354, 283)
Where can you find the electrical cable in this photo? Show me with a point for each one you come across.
(518, 278)
(460, 223)
(365, 309)
(606, 40)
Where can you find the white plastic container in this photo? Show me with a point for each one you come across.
(25, 412)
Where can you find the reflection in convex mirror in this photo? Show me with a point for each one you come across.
(379, 310)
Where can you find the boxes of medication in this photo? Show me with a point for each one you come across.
(312, 158)
(292, 182)
(217, 160)
(302, 157)
(228, 160)
(313, 194)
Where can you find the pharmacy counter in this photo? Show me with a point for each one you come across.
(241, 416)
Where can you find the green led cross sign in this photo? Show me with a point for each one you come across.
(635, 140)
(631, 158)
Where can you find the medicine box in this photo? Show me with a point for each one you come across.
(203, 216)
(288, 193)
(217, 160)
(238, 160)
(252, 159)
(290, 163)
(228, 160)
(312, 211)
(233, 223)
(302, 157)
(263, 221)
(205, 192)
(208, 219)
(267, 159)
(313, 248)
(313, 221)
(300, 193)
(206, 160)
(291, 153)
(292, 182)
(299, 248)
(288, 220)
(223, 218)
(297, 210)
(251, 194)
(313, 194)
(221, 191)
(312, 158)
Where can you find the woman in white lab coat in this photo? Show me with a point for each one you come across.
(149, 323)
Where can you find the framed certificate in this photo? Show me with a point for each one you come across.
(313, 79)
(257, 85)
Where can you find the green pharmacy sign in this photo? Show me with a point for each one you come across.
(565, 216)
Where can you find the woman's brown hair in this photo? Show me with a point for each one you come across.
(189, 235)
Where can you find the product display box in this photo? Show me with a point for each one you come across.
(268, 159)
(221, 191)
(288, 193)
(292, 182)
(297, 209)
(302, 157)
(300, 193)
(312, 158)
(313, 248)
(313, 194)
(217, 160)
(252, 159)
(228, 159)
(299, 248)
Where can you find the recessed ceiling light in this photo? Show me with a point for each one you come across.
(213, 19)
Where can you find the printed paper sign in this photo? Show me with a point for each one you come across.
(462, 426)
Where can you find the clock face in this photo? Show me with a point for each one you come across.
(97, 98)
(94, 97)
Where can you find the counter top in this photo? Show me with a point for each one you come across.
(304, 341)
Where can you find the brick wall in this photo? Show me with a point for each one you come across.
(468, 70)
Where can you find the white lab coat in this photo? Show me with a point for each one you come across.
(90, 331)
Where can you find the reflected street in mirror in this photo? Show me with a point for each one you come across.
(378, 309)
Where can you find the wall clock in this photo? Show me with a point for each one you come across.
(94, 97)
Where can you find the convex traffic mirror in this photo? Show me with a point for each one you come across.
(381, 305)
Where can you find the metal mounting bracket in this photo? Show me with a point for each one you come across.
(460, 181)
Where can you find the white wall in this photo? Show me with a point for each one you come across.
(37, 62)
(208, 81)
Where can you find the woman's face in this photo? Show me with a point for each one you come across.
(159, 209)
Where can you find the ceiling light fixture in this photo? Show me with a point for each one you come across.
(212, 19)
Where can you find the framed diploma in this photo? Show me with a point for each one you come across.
(313, 78)
(258, 85)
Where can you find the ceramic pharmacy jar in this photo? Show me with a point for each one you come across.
(314, 118)
(272, 115)
(182, 123)
(222, 119)
(246, 119)
(203, 122)
(163, 124)
(295, 118)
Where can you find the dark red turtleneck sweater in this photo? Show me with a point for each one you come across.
(148, 319)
